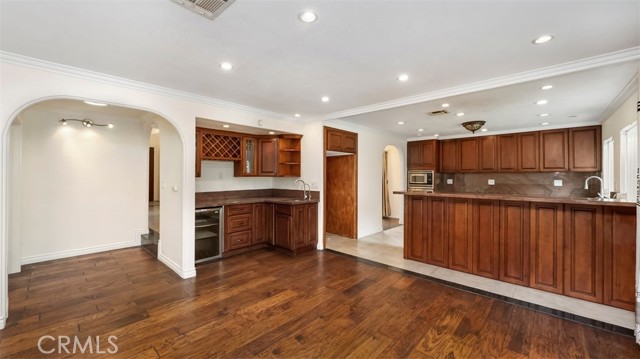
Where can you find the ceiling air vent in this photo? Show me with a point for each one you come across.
(207, 8)
(438, 113)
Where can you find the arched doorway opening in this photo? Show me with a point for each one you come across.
(392, 180)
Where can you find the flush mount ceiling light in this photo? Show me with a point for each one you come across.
(546, 87)
(403, 77)
(325, 99)
(86, 122)
(226, 66)
(95, 103)
(542, 102)
(460, 114)
(542, 39)
(473, 126)
(445, 105)
(308, 16)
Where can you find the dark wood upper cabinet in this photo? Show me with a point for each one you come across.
(619, 257)
(449, 156)
(468, 155)
(334, 141)
(486, 238)
(554, 148)
(546, 247)
(487, 155)
(422, 155)
(340, 140)
(514, 242)
(267, 157)
(508, 152)
(584, 149)
(528, 152)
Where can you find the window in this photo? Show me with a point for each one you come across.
(607, 167)
(629, 160)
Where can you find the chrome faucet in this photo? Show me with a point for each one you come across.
(586, 185)
(307, 194)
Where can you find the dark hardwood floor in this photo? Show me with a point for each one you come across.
(266, 304)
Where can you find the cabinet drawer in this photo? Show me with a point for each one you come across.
(239, 240)
(283, 209)
(239, 209)
(241, 222)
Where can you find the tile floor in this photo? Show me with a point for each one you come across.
(387, 247)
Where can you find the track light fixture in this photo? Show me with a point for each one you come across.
(86, 122)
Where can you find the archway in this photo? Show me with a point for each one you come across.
(393, 180)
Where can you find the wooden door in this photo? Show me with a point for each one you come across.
(268, 157)
(340, 196)
(414, 155)
(619, 256)
(508, 152)
(437, 241)
(546, 247)
(459, 216)
(487, 155)
(514, 242)
(528, 151)
(486, 238)
(554, 150)
(416, 215)
(583, 252)
(449, 156)
(468, 155)
(585, 149)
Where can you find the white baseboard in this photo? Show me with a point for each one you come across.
(78, 252)
(176, 268)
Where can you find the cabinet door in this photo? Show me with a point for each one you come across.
(487, 153)
(198, 153)
(584, 149)
(508, 152)
(514, 242)
(269, 235)
(282, 230)
(429, 155)
(583, 252)
(259, 223)
(554, 150)
(546, 247)
(334, 140)
(619, 256)
(349, 143)
(237, 240)
(449, 156)
(460, 240)
(486, 238)
(468, 155)
(415, 214)
(437, 241)
(528, 151)
(249, 157)
(298, 233)
(414, 155)
(311, 225)
(268, 156)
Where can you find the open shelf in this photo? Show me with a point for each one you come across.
(289, 156)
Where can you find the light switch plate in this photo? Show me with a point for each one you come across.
(557, 183)
(491, 182)
(449, 180)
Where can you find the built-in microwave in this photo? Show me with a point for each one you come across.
(421, 180)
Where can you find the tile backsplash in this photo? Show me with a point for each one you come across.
(533, 184)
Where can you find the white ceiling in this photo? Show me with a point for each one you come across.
(353, 53)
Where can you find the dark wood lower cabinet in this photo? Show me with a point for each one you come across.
(619, 257)
(296, 227)
(416, 215)
(437, 240)
(514, 242)
(486, 238)
(546, 247)
(583, 248)
(460, 238)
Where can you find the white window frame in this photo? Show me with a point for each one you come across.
(608, 171)
(629, 160)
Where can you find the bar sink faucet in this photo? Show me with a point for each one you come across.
(586, 185)
(307, 194)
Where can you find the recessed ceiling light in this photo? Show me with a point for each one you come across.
(436, 135)
(544, 123)
(297, 115)
(543, 115)
(484, 130)
(95, 103)
(226, 126)
(542, 102)
(572, 116)
(325, 99)
(110, 125)
(403, 77)
(272, 133)
(226, 66)
(308, 16)
(420, 129)
(542, 39)
(400, 122)
(445, 105)
(546, 87)
(459, 114)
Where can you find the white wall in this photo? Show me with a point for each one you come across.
(83, 189)
(15, 196)
(395, 173)
(218, 176)
(621, 118)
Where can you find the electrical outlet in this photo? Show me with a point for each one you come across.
(491, 182)
(557, 183)
(449, 180)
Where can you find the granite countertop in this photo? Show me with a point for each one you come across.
(206, 203)
(520, 197)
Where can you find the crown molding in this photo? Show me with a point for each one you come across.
(622, 96)
(611, 58)
(30, 62)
